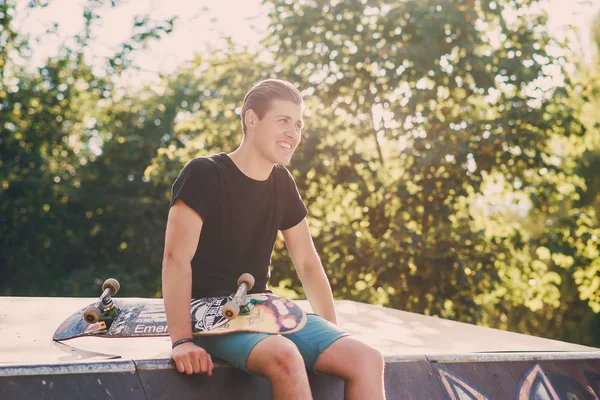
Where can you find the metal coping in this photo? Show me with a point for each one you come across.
(67, 369)
(160, 364)
(513, 356)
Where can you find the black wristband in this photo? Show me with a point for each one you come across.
(181, 341)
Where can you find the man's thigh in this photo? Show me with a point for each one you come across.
(311, 341)
(234, 348)
(315, 338)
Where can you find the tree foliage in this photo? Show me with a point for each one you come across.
(443, 101)
(448, 162)
(67, 210)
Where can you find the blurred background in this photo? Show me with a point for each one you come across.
(450, 160)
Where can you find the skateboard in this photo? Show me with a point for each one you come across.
(239, 312)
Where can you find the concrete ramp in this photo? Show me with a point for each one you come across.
(426, 358)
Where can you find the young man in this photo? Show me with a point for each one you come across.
(224, 217)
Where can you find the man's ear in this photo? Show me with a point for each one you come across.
(250, 118)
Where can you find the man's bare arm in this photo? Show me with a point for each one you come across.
(310, 270)
(181, 241)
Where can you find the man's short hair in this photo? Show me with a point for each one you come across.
(260, 96)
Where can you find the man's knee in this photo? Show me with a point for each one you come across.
(373, 359)
(275, 356)
(352, 360)
(368, 359)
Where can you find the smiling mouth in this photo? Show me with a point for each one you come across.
(284, 145)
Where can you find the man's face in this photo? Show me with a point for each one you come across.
(278, 133)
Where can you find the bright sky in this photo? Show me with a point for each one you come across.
(205, 21)
(199, 22)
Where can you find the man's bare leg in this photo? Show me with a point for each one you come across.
(360, 365)
(278, 359)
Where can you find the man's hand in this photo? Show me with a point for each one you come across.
(192, 359)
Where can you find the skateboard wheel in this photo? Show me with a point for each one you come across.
(112, 284)
(92, 314)
(246, 278)
(230, 310)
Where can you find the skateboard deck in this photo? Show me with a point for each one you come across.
(266, 313)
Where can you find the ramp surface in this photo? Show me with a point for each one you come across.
(426, 358)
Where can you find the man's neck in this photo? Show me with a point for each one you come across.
(253, 165)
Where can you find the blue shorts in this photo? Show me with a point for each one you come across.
(312, 340)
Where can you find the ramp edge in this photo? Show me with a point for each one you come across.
(525, 356)
(68, 368)
(132, 366)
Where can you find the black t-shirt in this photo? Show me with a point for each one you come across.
(241, 217)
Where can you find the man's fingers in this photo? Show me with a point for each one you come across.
(184, 365)
(191, 364)
(197, 364)
(203, 360)
(180, 366)
(195, 360)
(210, 364)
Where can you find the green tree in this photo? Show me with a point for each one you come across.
(51, 173)
(574, 236)
(448, 159)
(439, 101)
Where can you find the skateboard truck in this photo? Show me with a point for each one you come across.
(104, 309)
(239, 303)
